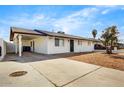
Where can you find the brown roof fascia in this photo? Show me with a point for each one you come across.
(11, 39)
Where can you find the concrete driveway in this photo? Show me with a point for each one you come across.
(59, 72)
(32, 78)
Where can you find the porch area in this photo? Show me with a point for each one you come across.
(26, 43)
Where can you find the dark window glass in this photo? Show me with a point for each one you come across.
(56, 42)
(31, 43)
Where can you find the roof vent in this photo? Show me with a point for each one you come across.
(61, 32)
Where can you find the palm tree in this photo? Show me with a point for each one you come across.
(110, 38)
(94, 33)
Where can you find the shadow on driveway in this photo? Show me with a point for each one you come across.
(33, 57)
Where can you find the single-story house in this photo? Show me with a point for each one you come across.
(121, 45)
(2, 48)
(46, 42)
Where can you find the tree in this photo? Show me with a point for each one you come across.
(94, 33)
(110, 38)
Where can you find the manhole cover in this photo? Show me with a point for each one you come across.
(18, 73)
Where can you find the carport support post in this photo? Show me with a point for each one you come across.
(20, 45)
(16, 49)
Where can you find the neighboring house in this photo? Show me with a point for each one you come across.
(45, 42)
(2, 48)
(10, 48)
(121, 45)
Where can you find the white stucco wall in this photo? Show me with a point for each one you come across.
(84, 47)
(3, 46)
(46, 45)
(52, 49)
(26, 43)
(40, 45)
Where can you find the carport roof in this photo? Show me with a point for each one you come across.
(45, 33)
(14, 30)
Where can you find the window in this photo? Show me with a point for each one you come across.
(79, 42)
(56, 42)
(59, 42)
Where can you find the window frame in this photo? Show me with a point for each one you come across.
(59, 42)
(79, 42)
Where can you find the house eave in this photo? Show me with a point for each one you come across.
(43, 33)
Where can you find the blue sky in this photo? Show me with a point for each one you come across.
(76, 20)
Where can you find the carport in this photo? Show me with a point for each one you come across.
(23, 40)
(24, 43)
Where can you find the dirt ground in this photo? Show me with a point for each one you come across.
(115, 61)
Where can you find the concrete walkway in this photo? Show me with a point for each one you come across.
(59, 72)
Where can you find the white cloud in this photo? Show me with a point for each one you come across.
(83, 20)
(97, 23)
(86, 17)
(86, 12)
(27, 20)
(121, 37)
(76, 20)
(109, 8)
(121, 34)
(105, 11)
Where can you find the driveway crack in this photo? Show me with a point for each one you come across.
(81, 77)
(44, 76)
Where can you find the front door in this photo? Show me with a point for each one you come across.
(71, 45)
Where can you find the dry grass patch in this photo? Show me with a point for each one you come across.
(115, 61)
